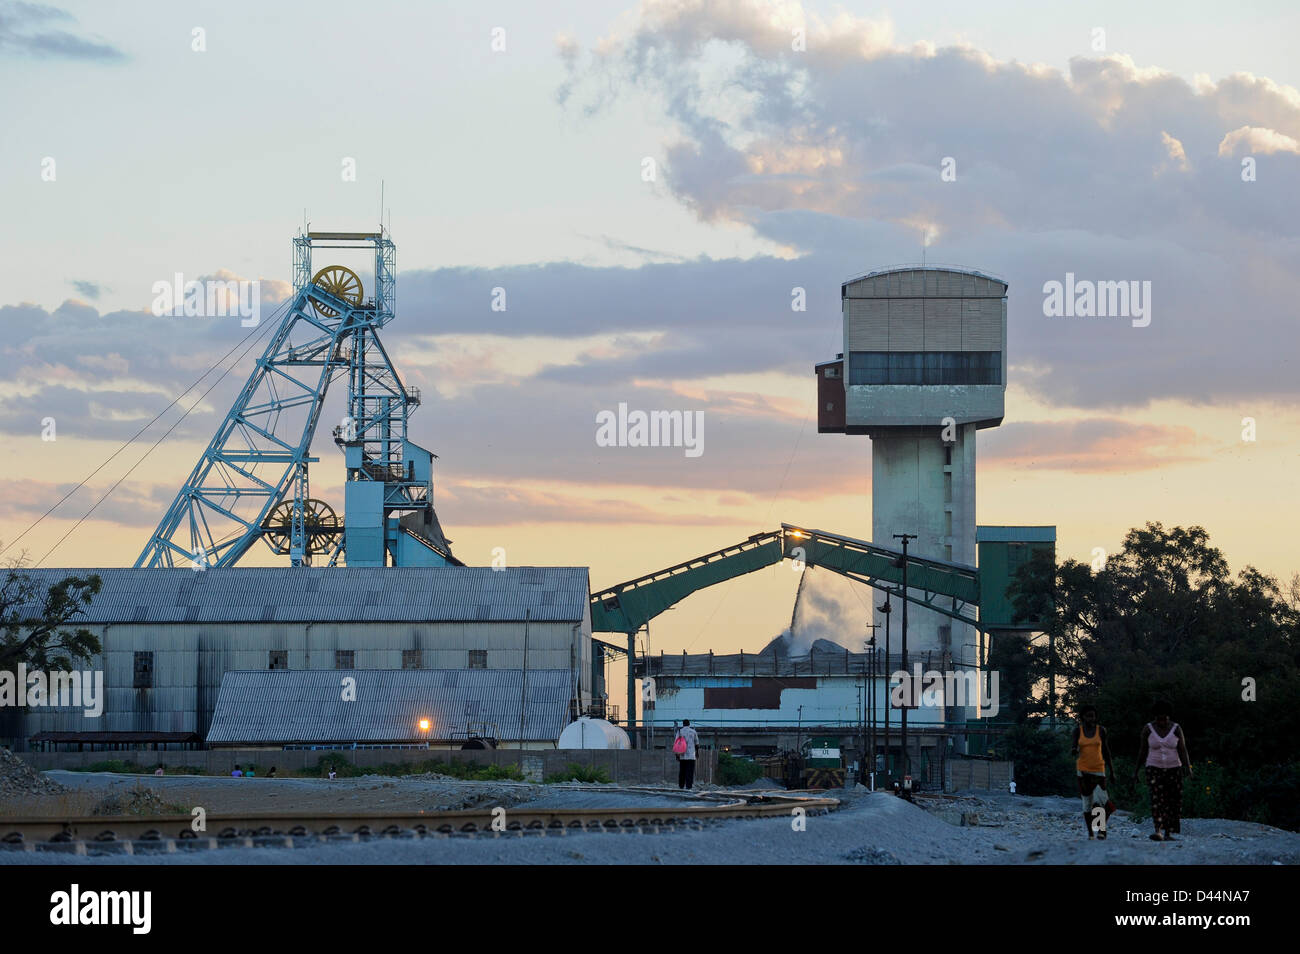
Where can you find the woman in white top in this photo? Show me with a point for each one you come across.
(1163, 751)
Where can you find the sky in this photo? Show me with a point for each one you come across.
(792, 146)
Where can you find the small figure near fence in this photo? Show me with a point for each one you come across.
(684, 748)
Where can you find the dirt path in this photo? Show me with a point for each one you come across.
(869, 828)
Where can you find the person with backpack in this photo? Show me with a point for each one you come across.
(1092, 765)
(684, 748)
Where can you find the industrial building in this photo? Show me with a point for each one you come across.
(770, 702)
(170, 636)
(392, 708)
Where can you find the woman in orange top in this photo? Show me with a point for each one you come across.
(1092, 766)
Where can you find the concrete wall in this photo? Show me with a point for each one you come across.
(981, 774)
(915, 489)
(190, 659)
(625, 766)
(868, 406)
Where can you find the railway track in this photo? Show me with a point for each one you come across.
(152, 834)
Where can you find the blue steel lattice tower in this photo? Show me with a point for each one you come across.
(923, 369)
(251, 482)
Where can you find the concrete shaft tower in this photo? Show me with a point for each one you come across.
(923, 368)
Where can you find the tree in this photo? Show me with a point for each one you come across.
(35, 626)
(1164, 618)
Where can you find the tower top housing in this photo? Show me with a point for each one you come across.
(921, 344)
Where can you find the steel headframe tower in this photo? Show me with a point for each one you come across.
(251, 481)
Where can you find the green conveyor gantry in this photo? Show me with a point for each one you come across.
(948, 588)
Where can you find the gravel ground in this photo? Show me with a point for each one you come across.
(869, 828)
(87, 793)
(18, 780)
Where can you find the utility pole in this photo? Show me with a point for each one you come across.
(887, 609)
(631, 687)
(875, 713)
(907, 756)
(870, 703)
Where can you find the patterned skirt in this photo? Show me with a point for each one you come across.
(1166, 797)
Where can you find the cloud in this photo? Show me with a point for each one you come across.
(1257, 139)
(25, 29)
(90, 289)
(1177, 154)
(836, 151)
(1094, 445)
(504, 505)
(133, 504)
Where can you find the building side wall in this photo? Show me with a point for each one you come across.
(836, 701)
(190, 659)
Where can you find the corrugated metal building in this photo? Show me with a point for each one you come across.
(388, 707)
(169, 636)
(767, 692)
(767, 702)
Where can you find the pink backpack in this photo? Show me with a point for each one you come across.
(679, 745)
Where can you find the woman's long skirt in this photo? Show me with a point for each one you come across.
(1166, 797)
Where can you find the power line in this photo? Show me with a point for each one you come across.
(266, 327)
(132, 439)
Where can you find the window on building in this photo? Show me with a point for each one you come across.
(478, 659)
(144, 670)
(925, 367)
(1017, 555)
(412, 659)
(278, 659)
(345, 659)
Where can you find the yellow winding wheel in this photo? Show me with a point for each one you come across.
(319, 520)
(340, 282)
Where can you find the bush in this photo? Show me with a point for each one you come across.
(473, 772)
(120, 766)
(574, 772)
(1043, 765)
(1269, 795)
(734, 771)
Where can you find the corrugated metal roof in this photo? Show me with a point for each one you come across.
(333, 594)
(290, 706)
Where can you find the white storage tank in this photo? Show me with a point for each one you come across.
(587, 733)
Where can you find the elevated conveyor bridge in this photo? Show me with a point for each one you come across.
(949, 588)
